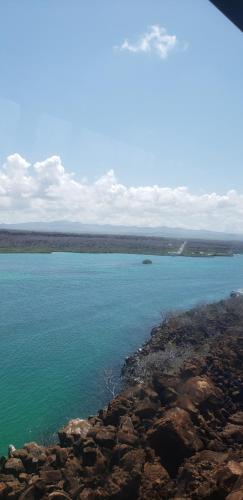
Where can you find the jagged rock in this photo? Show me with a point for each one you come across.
(126, 424)
(155, 482)
(134, 459)
(118, 452)
(233, 432)
(127, 438)
(197, 477)
(14, 466)
(166, 387)
(228, 475)
(28, 494)
(117, 407)
(121, 484)
(237, 491)
(3, 490)
(106, 437)
(146, 409)
(89, 456)
(61, 456)
(236, 418)
(236, 495)
(203, 392)
(74, 430)
(58, 495)
(51, 476)
(174, 437)
(191, 369)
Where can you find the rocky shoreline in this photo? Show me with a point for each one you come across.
(175, 431)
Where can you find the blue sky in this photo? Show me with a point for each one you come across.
(65, 90)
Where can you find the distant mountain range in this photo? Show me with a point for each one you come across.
(78, 227)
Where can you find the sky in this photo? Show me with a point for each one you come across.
(121, 112)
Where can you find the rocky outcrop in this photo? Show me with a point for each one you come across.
(175, 435)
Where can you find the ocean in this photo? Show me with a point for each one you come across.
(66, 317)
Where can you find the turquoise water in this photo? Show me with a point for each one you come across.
(66, 317)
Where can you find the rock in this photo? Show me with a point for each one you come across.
(134, 459)
(14, 466)
(120, 485)
(106, 438)
(21, 453)
(197, 476)
(116, 408)
(51, 476)
(227, 475)
(74, 430)
(58, 495)
(146, 409)
(61, 456)
(87, 494)
(89, 456)
(127, 438)
(236, 495)
(174, 437)
(166, 387)
(191, 368)
(3, 490)
(118, 452)
(126, 424)
(154, 483)
(28, 494)
(236, 418)
(237, 491)
(203, 392)
(233, 432)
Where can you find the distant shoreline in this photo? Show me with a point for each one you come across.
(13, 241)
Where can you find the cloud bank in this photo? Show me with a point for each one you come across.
(45, 191)
(155, 41)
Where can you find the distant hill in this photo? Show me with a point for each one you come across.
(78, 227)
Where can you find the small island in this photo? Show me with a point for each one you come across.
(147, 261)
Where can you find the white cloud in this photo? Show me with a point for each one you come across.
(155, 41)
(46, 191)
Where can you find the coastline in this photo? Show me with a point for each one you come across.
(176, 430)
(43, 242)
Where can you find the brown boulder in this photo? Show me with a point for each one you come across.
(59, 495)
(14, 466)
(126, 424)
(235, 495)
(127, 438)
(233, 433)
(116, 408)
(74, 430)
(237, 492)
(155, 482)
(51, 476)
(121, 485)
(146, 409)
(106, 437)
(134, 459)
(197, 477)
(236, 418)
(174, 437)
(203, 392)
(3, 490)
(228, 475)
(166, 388)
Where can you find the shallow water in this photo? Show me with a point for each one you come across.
(65, 317)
